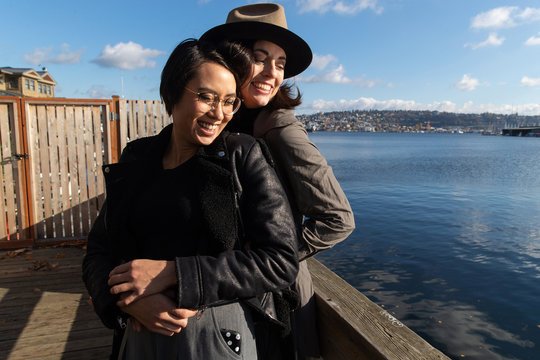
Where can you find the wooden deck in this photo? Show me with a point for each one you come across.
(45, 311)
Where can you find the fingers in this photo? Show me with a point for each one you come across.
(122, 268)
(119, 278)
(123, 287)
(126, 300)
(183, 313)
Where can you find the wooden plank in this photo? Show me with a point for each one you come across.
(132, 123)
(56, 322)
(73, 188)
(65, 203)
(150, 120)
(159, 123)
(9, 173)
(33, 153)
(9, 147)
(123, 118)
(353, 327)
(100, 121)
(107, 140)
(20, 174)
(80, 115)
(6, 167)
(56, 200)
(93, 152)
(88, 188)
(141, 119)
(43, 193)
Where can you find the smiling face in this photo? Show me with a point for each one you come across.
(194, 122)
(267, 76)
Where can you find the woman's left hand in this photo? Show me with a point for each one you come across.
(141, 277)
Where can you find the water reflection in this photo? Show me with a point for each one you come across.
(447, 237)
(460, 329)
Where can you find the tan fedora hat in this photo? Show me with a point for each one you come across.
(264, 22)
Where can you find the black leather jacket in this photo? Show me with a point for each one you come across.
(249, 229)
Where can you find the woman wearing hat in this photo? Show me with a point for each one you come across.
(201, 214)
(320, 208)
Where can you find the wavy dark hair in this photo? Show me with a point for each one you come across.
(189, 55)
(288, 95)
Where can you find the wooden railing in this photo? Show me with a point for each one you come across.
(353, 327)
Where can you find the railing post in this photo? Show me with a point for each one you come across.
(115, 129)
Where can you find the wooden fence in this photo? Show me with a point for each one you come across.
(52, 151)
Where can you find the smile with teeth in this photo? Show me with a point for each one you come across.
(207, 126)
(262, 86)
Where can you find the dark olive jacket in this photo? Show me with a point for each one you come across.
(248, 228)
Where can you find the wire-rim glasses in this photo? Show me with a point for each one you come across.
(229, 105)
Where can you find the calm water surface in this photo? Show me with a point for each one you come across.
(447, 235)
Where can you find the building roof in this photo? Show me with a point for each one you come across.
(41, 75)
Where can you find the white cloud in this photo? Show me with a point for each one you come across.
(320, 62)
(530, 82)
(529, 15)
(400, 104)
(336, 76)
(321, 6)
(356, 6)
(501, 17)
(533, 40)
(127, 56)
(505, 17)
(340, 7)
(467, 83)
(46, 55)
(492, 40)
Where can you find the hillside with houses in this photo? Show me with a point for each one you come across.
(414, 121)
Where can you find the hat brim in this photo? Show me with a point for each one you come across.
(298, 53)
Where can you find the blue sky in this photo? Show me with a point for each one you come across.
(460, 55)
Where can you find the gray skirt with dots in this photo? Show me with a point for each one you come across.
(221, 332)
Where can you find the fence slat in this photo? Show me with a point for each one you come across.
(123, 119)
(64, 170)
(93, 152)
(71, 119)
(56, 203)
(81, 161)
(33, 154)
(100, 122)
(6, 169)
(45, 174)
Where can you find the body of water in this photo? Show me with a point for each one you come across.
(447, 235)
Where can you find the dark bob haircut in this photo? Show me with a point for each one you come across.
(189, 55)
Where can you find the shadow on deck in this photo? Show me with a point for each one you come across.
(45, 311)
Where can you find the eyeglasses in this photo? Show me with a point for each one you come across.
(229, 105)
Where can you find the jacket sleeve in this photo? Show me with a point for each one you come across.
(314, 190)
(97, 264)
(269, 262)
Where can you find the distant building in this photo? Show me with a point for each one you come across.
(26, 82)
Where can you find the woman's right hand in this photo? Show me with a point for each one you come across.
(141, 277)
(158, 314)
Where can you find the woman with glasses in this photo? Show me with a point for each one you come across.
(321, 210)
(196, 228)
